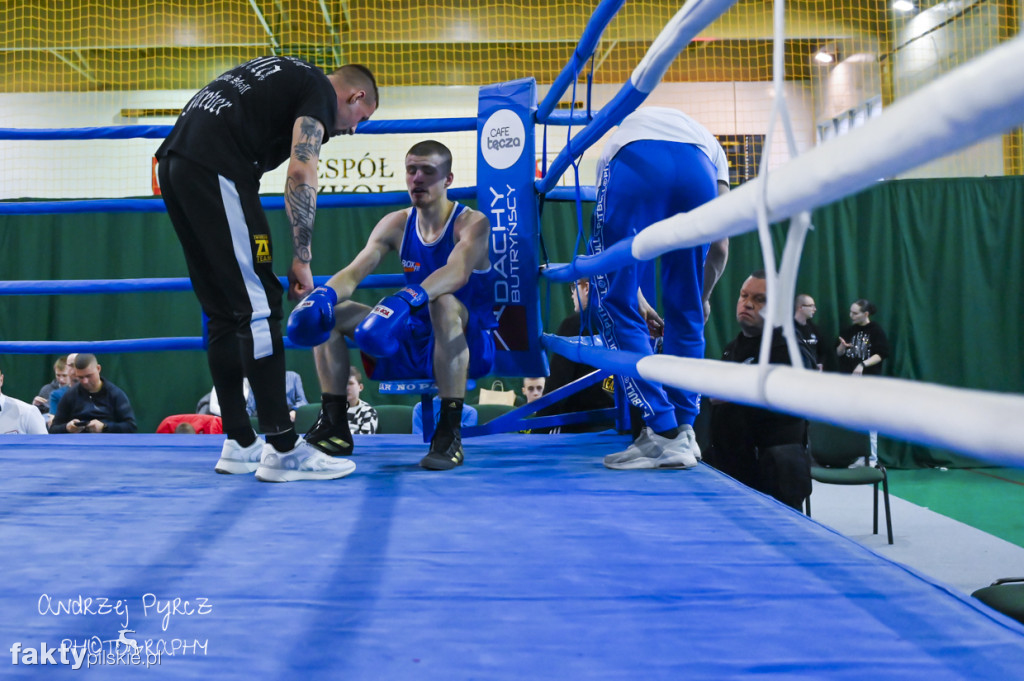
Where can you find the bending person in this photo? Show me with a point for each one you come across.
(438, 325)
(658, 163)
(246, 122)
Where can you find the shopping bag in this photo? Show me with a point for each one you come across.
(497, 395)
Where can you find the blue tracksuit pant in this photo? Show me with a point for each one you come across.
(647, 181)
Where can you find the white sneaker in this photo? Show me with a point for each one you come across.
(656, 452)
(238, 460)
(304, 462)
(692, 437)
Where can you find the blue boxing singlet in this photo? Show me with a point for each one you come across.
(420, 260)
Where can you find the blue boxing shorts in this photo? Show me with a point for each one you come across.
(415, 356)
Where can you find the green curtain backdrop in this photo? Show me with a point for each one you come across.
(940, 258)
(135, 245)
(129, 245)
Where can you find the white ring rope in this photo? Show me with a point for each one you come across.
(982, 98)
(780, 284)
(690, 20)
(984, 425)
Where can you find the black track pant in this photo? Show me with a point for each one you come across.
(226, 239)
(762, 449)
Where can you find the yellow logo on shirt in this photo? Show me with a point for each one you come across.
(262, 242)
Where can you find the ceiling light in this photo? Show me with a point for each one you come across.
(823, 57)
(903, 6)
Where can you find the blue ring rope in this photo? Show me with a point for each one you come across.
(111, 346)
(22, 288)
(648, 73)
(156, 205)
(104, 346)
(123, 132)
(618, 362)
(625, 102)
(599, 20)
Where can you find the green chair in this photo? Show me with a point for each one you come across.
(1005, 596)
(305, 417)
(489, 412)
(394, 419)
(834, 449)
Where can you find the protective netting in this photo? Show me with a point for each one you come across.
(114, 62)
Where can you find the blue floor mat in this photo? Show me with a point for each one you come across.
(531, 561)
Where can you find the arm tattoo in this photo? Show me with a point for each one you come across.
(300, 203)
(308, 147)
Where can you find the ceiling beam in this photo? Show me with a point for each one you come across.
(335, 38)
(266, 27)
(75, 67)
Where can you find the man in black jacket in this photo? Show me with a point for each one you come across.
(763, 449)
(94, 405)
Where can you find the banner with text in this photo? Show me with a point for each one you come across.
(505, 193)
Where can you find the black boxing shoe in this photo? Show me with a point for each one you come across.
(329, 437)
(445, 452)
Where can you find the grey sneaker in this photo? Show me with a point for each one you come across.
(238, 460)
(304, 462)
(656, 452)
(642, 446)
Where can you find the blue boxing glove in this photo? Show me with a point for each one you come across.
(382, 332)
(312, 320)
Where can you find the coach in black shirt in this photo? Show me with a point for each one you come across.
(246, 122)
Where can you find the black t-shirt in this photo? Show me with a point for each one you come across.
(866, 340)
(746, 349)
(810, 337)
(764, 428)
(240, 125)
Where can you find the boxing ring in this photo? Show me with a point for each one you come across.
(526, 562)
(531, 560)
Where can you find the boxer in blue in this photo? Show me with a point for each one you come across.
(438, 325)
(658, 163)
